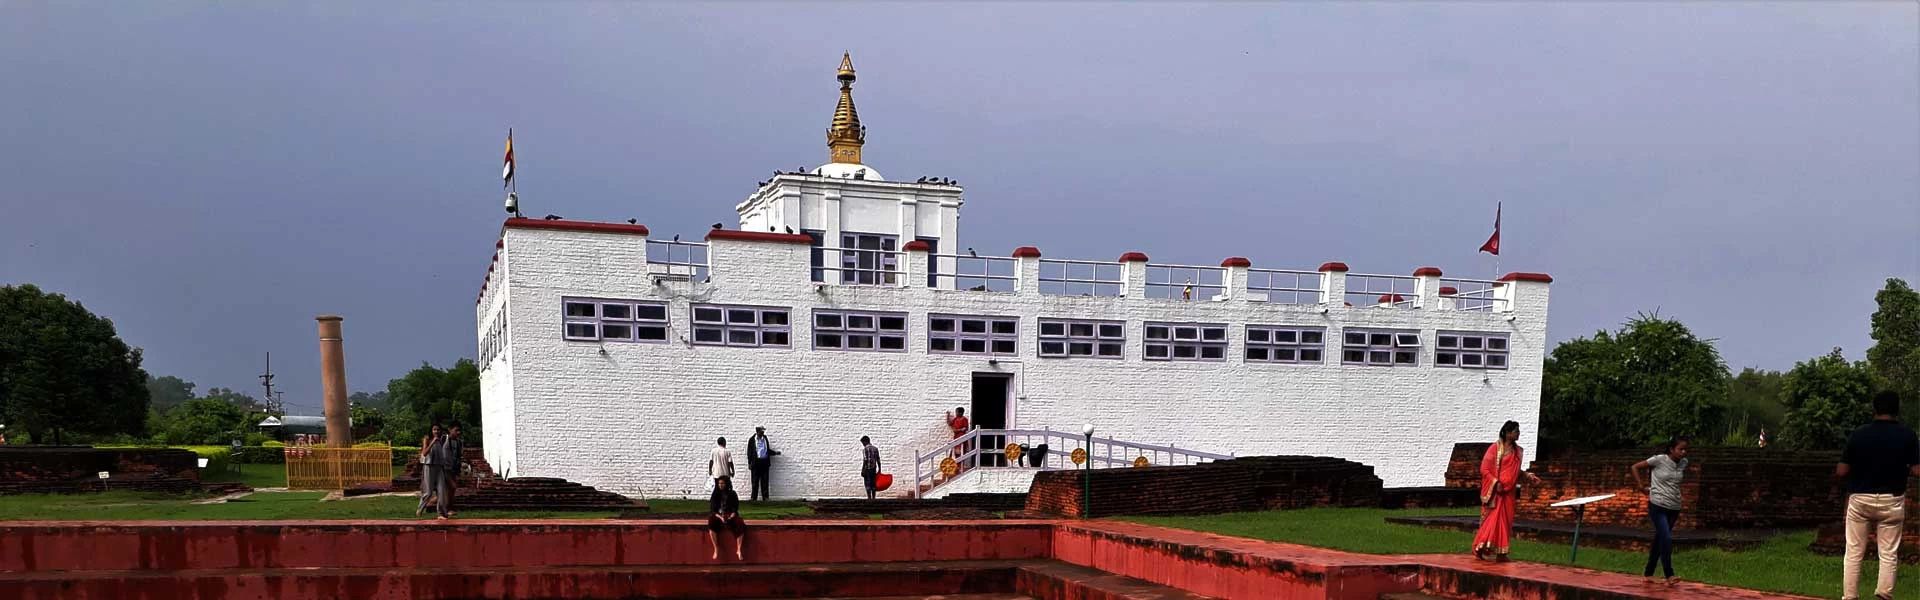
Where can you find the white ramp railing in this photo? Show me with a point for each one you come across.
(1040, 449)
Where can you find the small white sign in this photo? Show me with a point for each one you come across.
(103, 474)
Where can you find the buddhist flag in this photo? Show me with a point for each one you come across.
(1493, 243)
(506, 171)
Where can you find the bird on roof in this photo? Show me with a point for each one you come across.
(971, 253)
(920, 180)
(676, 237)
(633, 221)
(771, 230)
(789, 230)
(553, 217)
(716, 225)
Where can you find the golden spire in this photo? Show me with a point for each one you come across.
(846, 135)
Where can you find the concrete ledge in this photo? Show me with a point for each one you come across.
(136, 546)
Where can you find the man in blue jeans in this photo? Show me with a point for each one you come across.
(1876, 464)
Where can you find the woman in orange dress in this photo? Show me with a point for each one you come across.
(1500, 476)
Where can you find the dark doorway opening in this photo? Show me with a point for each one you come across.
(989, 411)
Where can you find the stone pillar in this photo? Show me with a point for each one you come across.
(1026, 270)
(1426, 287)
(1236, 280)
(333, 382)
(1133, 274)
(1333, 284)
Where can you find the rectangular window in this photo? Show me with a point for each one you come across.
(749, 326)
(594, 319)
(868, 259)
(863, 331)
(819, 253)
(1284, 344)
(1380, 347)
(960, 334)
(1186, 341)
(1470, 350)
(1062, 338)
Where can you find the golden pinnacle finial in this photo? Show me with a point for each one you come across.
(846, 135)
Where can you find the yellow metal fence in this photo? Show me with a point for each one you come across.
(315, 468)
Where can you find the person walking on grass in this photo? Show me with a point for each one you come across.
(1500, 477)
(446, 460)
(429, 474)
(723, 513)
(1660, 475)
(869, 465)
(1876, 464)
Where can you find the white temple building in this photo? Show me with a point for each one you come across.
(839, 308)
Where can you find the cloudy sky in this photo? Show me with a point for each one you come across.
(213, 176)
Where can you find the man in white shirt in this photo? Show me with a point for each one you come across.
(721, 463)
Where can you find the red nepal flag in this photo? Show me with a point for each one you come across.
(1493, 243)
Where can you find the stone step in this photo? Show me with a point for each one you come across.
(866, 580)
(1054, 580)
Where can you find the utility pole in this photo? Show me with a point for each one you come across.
(271, 399)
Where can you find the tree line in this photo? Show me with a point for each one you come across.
(1653, 379)
(66, 378)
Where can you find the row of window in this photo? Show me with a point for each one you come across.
(850, 330)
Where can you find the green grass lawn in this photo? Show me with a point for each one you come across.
(134, 506)
(256, 476)
(1780, 565)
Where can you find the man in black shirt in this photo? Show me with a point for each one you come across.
(1878, 460)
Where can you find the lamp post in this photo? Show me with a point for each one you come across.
(1086, 479)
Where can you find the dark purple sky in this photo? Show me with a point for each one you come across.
(213, 177)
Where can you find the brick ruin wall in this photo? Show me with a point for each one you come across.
(75, 469)
(1238, 485)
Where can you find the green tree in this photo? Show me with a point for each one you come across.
(427, 395)
(167, 392)
(1753, 403)
(379, 399)
(203, 421)
(1651, 380)
(239, 399)
(64, 370)
(1826, 398)
(369, 423)
(1895, 355)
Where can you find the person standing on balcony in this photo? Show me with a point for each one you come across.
(1876, 464)
(1661, 474)
(870, 465)
(1500, 476)
(760, 455)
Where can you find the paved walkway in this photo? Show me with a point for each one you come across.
(1603, 582)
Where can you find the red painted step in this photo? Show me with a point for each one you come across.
(688, 583)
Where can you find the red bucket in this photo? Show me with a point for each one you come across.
(882, 481)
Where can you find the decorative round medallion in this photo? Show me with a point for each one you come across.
(948, 467)
(1013, 453)
(1079, 456)
(1140, 461)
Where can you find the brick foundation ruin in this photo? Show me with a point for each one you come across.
(1238, 485)
(76, 470)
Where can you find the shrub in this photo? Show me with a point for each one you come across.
(257, 439)
(218, 458)
(259, 455)
(273, 444)
(404, 454)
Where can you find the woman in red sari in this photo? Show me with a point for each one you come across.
(1500, 476)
